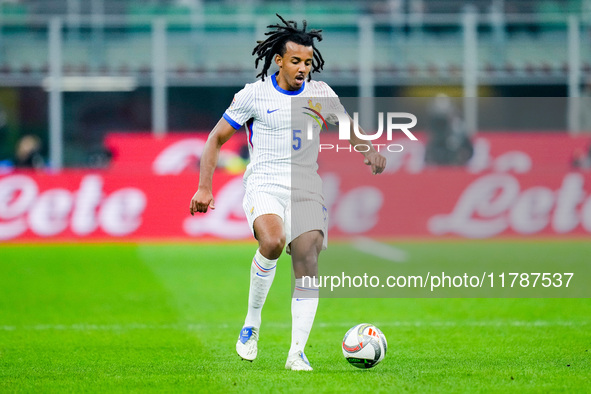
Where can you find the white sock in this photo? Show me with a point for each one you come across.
(262, 272)
(303, 309)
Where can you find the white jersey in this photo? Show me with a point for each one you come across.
(279, 150)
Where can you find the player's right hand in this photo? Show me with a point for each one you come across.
(201, 201)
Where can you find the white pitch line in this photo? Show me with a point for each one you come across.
(380, 249)
(277, 325)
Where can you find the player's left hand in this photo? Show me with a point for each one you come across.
(376, 161)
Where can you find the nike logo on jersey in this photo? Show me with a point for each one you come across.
(270, 112)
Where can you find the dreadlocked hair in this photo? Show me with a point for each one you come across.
(279, 36)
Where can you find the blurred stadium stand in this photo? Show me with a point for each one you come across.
(116, 7)
(409, 47)
(519, 41)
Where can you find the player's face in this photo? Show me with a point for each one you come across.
(294, 65)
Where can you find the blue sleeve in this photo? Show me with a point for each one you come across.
(241, 109)
(232, 122)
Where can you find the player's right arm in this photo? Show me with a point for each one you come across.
(241, 109)
(203, 198)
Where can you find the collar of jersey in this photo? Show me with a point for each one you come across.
(288, 92)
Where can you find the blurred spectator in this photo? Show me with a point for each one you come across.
(449, 143)
(582, 159)
(585, 109)
(5, 164)
(28, 152)
(3, 120)
(236, 163)
(100, 157)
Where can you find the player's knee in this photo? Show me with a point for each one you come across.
(271, 247)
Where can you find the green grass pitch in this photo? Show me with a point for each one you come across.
(165, 317)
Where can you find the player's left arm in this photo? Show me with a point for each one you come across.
(372, 157)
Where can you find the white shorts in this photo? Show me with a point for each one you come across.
(299, 216)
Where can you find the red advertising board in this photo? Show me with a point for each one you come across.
(516, 185)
